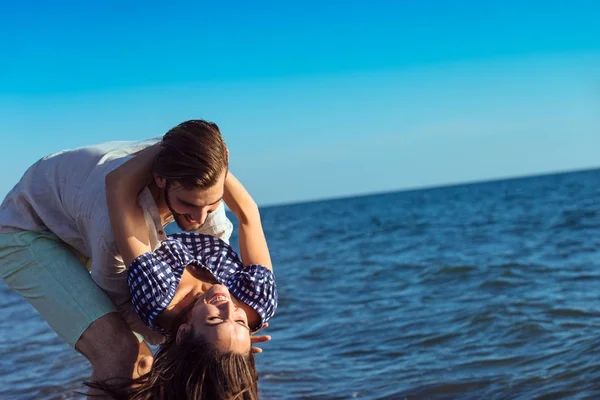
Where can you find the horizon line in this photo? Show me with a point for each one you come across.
(433, 187)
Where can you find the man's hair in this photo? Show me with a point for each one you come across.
(192, 369)
(192, 154)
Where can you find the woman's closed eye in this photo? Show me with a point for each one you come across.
(243, 323)
(239, 321)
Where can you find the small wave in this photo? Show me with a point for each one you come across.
(571, 312)
(458, 269)
(526, 330)
(442, 391)
(498, 283)
(437, 339)
(576, 219)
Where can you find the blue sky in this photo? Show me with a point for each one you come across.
(315, 99)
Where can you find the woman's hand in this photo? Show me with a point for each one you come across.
(259, 339)
(253, 244)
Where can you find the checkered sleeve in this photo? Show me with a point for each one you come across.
(255, 285)
(153, 279)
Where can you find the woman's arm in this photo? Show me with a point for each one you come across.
(126, 216)
(253, 244)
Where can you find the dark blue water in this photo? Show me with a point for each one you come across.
(486, 291)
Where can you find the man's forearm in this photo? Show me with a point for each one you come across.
(135, 323)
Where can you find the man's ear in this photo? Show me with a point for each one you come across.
(160, 181)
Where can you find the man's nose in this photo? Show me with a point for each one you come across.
(200, 216)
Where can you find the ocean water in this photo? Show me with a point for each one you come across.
(483, 291)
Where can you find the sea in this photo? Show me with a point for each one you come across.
(480, 291)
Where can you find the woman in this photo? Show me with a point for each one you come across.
(196, 291)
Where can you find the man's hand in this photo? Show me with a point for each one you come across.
(259, 339)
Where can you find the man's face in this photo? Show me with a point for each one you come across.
(191, 207)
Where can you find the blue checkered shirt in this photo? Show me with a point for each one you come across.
(154, 277)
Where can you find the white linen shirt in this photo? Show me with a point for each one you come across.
(65, 193)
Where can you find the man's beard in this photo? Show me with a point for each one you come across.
(181, 220)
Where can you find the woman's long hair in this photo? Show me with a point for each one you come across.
(190, 370)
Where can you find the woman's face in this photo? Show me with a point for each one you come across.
(219, 321)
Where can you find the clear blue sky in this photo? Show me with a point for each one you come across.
(316, 99)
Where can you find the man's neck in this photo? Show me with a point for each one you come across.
(159, 198)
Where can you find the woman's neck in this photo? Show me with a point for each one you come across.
(180, 301)
(193, 283)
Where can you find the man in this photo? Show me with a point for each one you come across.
(56, 217)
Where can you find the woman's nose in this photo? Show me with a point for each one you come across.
(228, 309)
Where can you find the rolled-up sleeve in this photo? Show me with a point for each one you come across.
(154, 277)
(255, 285)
